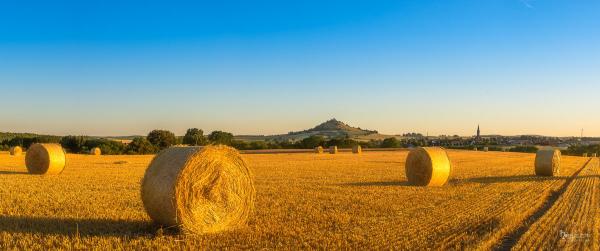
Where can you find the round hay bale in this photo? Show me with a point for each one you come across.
(333, 150)
(428, 166)
(45, 159)
(485, 149)
(200, 189)
(357, 149)
(585, 154)
(16, 151)
(547, 162)
(475, 149)
(594, 155)
(319, 149)
(96, 151)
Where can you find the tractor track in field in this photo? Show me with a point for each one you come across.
(509, 240)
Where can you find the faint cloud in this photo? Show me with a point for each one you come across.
(527, 3)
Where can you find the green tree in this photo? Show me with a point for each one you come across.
(312, 142)
(220, 137)
(524, 149)
(107, 147)
(140, 145)
(74, 144)
(344, 142)
(259, 145)
(162, 138)
(194, 137)
(390, 143)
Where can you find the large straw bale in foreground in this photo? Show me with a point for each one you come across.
(319, 149)
(16, 151)
(333, 149)
(547, 162)
(96, 151)
(200, 189)
(357, 149)
(428, 166)
(45, 159)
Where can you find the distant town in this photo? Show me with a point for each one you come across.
(562, 143)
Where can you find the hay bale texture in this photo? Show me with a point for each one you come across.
(319, 149)
(333, 150)
(96, 151)
(547, 162)
(199, 189)
(45, 159)
(428, 166)
(16, 151)
(357, 149)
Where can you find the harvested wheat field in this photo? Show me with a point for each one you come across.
(315, 201)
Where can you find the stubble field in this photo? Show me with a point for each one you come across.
(311, 201)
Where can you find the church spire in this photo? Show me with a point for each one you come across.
(478, 132)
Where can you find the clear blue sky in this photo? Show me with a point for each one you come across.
(114, 68)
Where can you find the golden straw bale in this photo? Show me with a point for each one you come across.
(333, 149)
(585, 154)
(485, 149)
(45, 159)
(16, 151)
(547, 162)
(96, 151)
(428, 166)
(319, 149)
(357, 149)
(200, 189)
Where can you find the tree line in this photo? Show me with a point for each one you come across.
(157, 140)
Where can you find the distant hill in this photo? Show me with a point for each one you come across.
(332, 128)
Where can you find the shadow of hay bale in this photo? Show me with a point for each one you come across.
(507, 179)
(72, 227)
(385, 162)
(11, 173)
(377, 184)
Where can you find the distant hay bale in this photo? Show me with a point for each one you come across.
(16, 151)
(333, 150)
(45, 159)
(357, 149)
(547, 162)
(475, 149)
(319, 149)
(200, 189)
(594, 155)
(585, 154)
(485, 149)
(96, 151)
(428, 166)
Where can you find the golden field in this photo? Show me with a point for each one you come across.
(315, 201)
